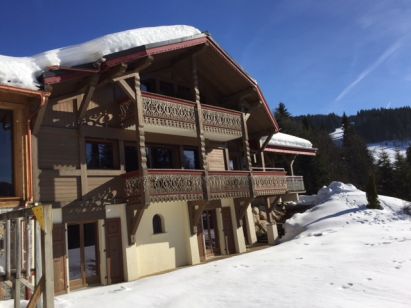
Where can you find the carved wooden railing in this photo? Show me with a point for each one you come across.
(221, 121)
(187, 185)
(269, 183)
(166, 185)
(295, 184)
(166, 111)
(228, 184)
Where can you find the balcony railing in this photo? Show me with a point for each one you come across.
(166, 185)
(169, 112)
(295, 184)
(220, 121)
(229, 184)
(187, 185)
(269, 183)
(178, 116)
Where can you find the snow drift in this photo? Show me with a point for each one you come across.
(23, 71)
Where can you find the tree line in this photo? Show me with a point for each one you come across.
(373, 125)
(351, 162)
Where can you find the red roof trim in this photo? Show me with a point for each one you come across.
(23, 91)
(289, 150)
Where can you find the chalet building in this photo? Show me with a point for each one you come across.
(150, 157)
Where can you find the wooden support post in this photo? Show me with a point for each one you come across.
(18, 253)
(8, 249)
(200, 128)
(196, 208)
(36, 297)
(241, 205)
(48, 271)
(246, 150)
(38, 263)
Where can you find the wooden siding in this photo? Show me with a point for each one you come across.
(215, 159)
(58, 149)
(59, 189)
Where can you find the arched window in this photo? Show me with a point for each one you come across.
(157, 224)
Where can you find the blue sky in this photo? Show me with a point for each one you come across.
(316, 56)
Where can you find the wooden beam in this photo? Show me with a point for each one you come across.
(146, 63)
(134, 216)
(36, 294)
(87, 98)
(126, 88)
(40, 115)
(240, 95)
(265, 143)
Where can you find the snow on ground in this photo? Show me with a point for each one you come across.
(337, 254)
(23, 71)
(390, 147)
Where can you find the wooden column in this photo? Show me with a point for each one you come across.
(135, 211)
(8, 249)
(200, 128)
(18, 253)
(48, 264)
(246, 150)
(39, 265)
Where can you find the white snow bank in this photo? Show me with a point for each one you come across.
(281, 139)
(23, 71)
(336, 201)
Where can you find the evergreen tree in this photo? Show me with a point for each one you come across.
(409, 155)
(371, 192)
(385, 174)
(402, 178)
(281, 111)
(356, 158)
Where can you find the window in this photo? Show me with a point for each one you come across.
(190, 159)
(100, 155)
(131, 157)
(160, 157)
(6, 154)
(157, 224)
(148, 85)
(166, 88)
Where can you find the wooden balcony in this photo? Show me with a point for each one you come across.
(221, 124)
(295, 184)
(229, 184)
(173, 116)
(269, 183)
(187, 185)
(166, 185)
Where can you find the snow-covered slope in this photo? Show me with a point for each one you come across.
(23, 71)
(337, 254)
(390, 147)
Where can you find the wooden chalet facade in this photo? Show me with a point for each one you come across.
(150, 157)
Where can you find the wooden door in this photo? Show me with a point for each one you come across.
(59, 258)
(228, 230)
(114, 251)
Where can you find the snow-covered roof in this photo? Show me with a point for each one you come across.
(23, 71)
(286, 140)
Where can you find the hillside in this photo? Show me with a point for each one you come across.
(374, 125)
(338, 254)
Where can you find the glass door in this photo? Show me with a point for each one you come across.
(82, 254)
(210, 233)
